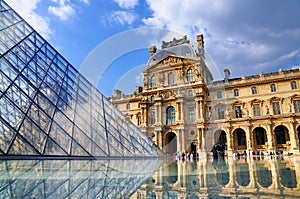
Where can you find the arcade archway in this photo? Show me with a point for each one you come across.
(282, 136)
(220, 138)
(239, 136)
(259, 137)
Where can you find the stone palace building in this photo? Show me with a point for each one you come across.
(181, 108)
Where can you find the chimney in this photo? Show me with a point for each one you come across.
(152, 50)
(227, 74)
(200, 43)
(117, 93)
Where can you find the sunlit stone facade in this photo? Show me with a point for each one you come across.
(181, 108)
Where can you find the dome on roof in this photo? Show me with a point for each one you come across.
(184, 50)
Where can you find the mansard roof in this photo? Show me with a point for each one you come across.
(184, 50)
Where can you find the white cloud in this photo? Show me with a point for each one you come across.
(123, 17)
(127, 4)
(238, 34)
(26, 9)
(63, 10)
(85, 1)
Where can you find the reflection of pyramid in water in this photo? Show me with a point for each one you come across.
(48, 109)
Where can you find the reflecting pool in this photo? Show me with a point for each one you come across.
(268, 177)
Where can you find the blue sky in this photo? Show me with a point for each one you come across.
(108, 40)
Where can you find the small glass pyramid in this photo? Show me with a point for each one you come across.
(47, 108)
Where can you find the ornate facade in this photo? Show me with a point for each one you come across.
(181, 108)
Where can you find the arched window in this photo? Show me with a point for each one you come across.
(189, 75)
(293, 85)
(171, 78)
(128, 106)
(170, 115)
(254, 91)
(236, 92)
(153, 82)
(273, 88)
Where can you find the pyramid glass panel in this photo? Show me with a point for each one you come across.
(47, 108)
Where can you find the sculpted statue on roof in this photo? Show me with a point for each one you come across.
(175, 42)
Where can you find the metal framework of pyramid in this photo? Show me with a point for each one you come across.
(47, 108)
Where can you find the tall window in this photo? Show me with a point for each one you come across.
(297, 106)
(170, 115)
(191, 114)
(171, 78)
(152, 117)
(221, 114)
(256, 110)
(128, 106)
(153, 81)
(276, 108)
(238, 112)
(293, 85)
(219, 94)
(236, 92)
(273, 88)
(254, 91)
(189, 75)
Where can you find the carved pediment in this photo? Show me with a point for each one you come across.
(256, 101)
(294, 97)
(272, 99)
(238, 103)
(166, 61)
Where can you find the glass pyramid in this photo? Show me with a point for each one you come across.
(47, 108)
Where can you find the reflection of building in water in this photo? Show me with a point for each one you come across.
(182, 109)
(243, 179)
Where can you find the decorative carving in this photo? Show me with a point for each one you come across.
(171, 60)
(267, 110)
(175, 42)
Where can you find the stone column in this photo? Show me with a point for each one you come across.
(159, 139)
(249, 139)
(201, 112)
(183, 141)
(203, 139)
(180, 111)
(197, 111)
(293, 138)
(159, 117)
(199, 138)
(270, 135)
(229, 137)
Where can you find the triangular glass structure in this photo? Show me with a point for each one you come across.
(47, 108)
